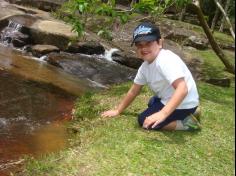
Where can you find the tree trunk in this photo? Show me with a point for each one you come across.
(196, 8)
(223, 18)
(226, 17)
(216, 17)
(181, 17)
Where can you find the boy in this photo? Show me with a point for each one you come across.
(176, 97)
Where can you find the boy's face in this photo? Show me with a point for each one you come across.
(148, 50)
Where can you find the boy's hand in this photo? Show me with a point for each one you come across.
(110, 113)
(153, 120)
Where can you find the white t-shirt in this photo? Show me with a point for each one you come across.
(162, 72)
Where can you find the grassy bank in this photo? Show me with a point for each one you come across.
(119, 147)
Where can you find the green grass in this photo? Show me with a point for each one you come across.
(220, 37)
(118, 146)
(213, 66)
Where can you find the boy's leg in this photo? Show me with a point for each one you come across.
(174, 122)
(170, 126)
(154, 106)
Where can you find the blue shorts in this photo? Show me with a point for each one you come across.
(155, 105)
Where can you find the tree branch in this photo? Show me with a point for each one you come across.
(227, 18)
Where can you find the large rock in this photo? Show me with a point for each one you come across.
(95, 69)
(55, 33)
(46, 5)
(40, 50)
(183, 36)
(8, 10)
(198, 43)
(130, 59)
(40, 26)
(127, 59)
(89, 47)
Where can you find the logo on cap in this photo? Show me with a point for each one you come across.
(142, 30)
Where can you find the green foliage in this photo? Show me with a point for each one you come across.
(182, 3)
(83, 13)
(154, 8)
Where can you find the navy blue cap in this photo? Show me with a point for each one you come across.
(146, 32)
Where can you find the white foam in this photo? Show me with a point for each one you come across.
(3, 122)
(108, 54)
(40, 59)
(96, 84)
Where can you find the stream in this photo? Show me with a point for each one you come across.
(35, 98)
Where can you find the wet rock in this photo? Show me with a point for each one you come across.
(13, 35)
(22, 38)
(40, 50)
(223, 82)
(18, 43)
(95, 69)
(127, 60)
(89, 47)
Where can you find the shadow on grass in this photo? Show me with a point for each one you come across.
(178, 137)
(168, 137)
(134, 114)
(172, 137)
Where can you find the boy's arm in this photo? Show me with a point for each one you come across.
(181, 90)
(127, 100)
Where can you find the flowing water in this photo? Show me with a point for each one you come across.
(34, 98)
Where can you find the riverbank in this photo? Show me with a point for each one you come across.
(118, 146)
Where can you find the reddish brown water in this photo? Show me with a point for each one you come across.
(34, 100)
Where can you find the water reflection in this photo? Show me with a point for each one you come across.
(30, 113)
(34, 98)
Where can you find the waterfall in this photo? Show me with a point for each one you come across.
(8, 32)
(108, 54)
(14, 26)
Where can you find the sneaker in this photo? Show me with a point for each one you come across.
(191, 123)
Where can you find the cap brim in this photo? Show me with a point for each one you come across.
(146, 38)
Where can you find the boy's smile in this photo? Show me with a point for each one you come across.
(148, 50)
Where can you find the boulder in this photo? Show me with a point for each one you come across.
(55, 33)
(46, 5)
(40, 50)
(89, 47)
(96, 69)
(127, 59)
(196, 42)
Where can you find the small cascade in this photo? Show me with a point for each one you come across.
(108, 54)
(8, 33)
